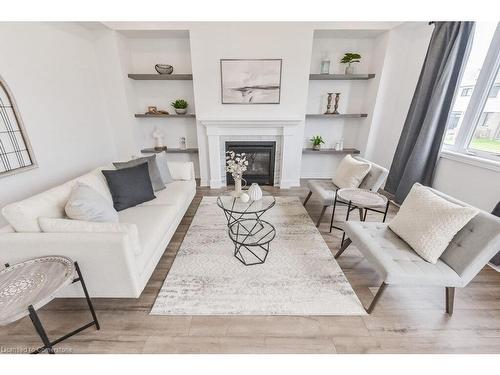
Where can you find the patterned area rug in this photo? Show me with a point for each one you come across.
(300, 275)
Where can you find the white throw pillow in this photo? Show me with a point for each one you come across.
(84, 203)
(350, 172)
(428, 222)
(51, 225)
(181, 170)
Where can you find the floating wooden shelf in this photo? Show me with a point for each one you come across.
(340, 77)
(341, 115)
(142, 115)
(161, 77)
(330, 151)
(170, 151)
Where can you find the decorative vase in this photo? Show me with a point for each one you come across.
(244, 197)
(164, 68)
(317, 147)
(255, 192)
(349, 69)
(237, 187)
(181, 111)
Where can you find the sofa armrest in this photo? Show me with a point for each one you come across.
(181, 170)
(107, 260)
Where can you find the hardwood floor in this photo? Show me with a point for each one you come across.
(407, 320)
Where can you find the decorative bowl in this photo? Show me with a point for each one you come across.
(164, 68)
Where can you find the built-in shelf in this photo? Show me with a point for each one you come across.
(142, 115)
(161, 77)
(331, 116)
(170, 151)
(340, 77)
(330, 151)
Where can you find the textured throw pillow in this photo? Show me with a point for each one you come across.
(350, 172)
(129, 186)
(154, 172)
(161, 161)
(428, 222)
(84, 203)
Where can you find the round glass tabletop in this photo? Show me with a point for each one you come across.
(235, 205)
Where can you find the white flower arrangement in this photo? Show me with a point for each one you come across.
(236, 164)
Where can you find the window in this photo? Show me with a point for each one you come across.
(15, 151)
(467, 91)
(473, 126)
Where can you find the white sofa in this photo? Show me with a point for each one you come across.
(117, 264)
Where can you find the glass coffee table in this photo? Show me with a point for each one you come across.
(250, 234)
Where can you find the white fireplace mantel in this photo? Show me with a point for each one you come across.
(282, 130)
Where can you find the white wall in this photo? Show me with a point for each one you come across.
(52, 72)
(211, 42)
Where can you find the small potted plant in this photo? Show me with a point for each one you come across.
(317, 140)
(348, 59)
(180, 106)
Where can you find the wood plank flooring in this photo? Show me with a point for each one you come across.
(407, 320)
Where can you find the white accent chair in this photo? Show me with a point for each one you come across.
(325, 190)
(398, 264)
(116, 264)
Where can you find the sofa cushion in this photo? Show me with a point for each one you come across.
(175, 193)
(428, 222)
(23, 215)
(181, 170)
(350, 172)
(154, 172)
(152, 223)
(394, 260)
(84, 203)
(129, 186)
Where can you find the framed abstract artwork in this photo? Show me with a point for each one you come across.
(250, 81)
(16, 154)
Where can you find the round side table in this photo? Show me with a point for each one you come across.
(361, 199)
(30, 285)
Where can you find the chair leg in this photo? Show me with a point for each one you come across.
(321, 215)
(376, 298)
(307, 198)
(360, 213)
(345, 245)
(450, 299)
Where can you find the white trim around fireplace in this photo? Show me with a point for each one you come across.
(284, 132)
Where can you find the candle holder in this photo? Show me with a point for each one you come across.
(336, 105)
(329, 104)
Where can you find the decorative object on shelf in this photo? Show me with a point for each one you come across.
(255, 192)
(336, 105)
(16, 154)
(244, 197)
(325, 64)
(164, 68)
(183, 143)
(152, 110)
(250, 81)
(339, 146)
(180, 106)
(158, 137)
(329, 104)
(317, 140)
(236, 164)
(348, 59)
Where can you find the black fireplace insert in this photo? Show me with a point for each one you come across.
(260, 156)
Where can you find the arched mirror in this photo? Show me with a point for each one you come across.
(16, 154)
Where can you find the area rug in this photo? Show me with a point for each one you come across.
(299, 277)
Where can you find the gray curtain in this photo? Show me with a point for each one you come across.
(418, 148)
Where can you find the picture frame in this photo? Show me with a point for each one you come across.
(251, 81)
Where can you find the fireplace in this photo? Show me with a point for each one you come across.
(260, 156)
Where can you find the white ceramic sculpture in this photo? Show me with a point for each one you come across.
(244, 197)
(255, 192)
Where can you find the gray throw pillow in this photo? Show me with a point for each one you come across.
(86, 204)
(129, 186)
(154, 172)
(161, 161)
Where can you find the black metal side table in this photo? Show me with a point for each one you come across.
(30, 285)
(250, 234)
(361, 199)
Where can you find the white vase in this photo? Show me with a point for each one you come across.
(255, 192)
(237, 187)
